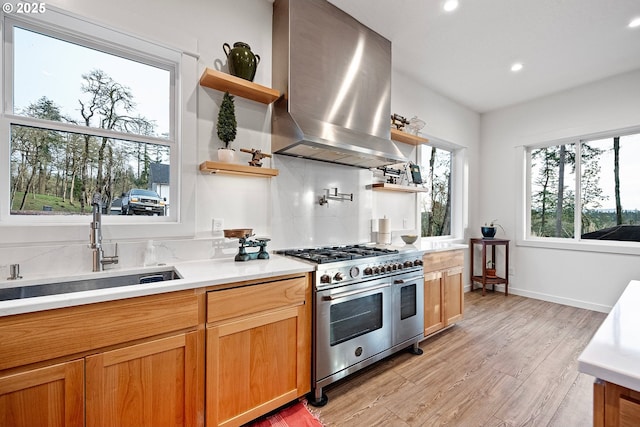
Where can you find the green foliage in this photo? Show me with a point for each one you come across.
(227, 124)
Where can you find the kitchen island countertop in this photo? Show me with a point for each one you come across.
(613, 354)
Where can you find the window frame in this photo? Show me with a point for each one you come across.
(183, 68)
(459, 196)
(523, 235)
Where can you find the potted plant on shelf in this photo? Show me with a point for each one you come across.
(491, 268)
(489, 229)
(227, 127)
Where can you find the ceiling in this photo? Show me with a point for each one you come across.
(467, 54)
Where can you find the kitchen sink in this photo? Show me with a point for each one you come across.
(71, 286)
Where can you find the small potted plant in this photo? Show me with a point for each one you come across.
(227, 127)
(491, 268)
(489, 229)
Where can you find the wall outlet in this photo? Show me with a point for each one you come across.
(218, 224)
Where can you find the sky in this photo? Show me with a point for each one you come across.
(49, 67)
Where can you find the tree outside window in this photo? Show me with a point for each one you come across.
(92, 122)
(608, 184)
(435, 205)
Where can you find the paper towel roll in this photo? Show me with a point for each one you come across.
(383, 226)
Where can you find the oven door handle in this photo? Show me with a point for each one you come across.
(411, 279)
(355, 292)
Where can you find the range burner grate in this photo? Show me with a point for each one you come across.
(338, 253)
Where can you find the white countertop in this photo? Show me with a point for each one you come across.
(194, 274)
(613, 354)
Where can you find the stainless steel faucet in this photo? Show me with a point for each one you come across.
(95, 236)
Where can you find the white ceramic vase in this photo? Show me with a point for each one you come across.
(226, 155)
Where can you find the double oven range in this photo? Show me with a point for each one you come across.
(368, 304)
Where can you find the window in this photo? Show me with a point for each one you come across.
(85, 116)
(587, 189)
(435, 205)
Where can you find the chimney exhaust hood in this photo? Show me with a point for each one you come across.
(335, 74)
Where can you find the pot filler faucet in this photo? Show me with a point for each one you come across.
(95, 236)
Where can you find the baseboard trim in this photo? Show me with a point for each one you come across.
(552, 298)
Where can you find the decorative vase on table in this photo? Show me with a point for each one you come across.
(242, 62)
(488, 232)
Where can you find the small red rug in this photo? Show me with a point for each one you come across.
(296, 415)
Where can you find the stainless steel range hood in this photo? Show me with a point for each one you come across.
(335, 75)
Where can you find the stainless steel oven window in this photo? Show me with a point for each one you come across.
(355, 317)
(408, 298)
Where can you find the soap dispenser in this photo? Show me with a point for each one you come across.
(150, 254)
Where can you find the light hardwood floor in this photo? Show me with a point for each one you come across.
(510, 362)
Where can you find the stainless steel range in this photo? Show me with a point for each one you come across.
(368, 304)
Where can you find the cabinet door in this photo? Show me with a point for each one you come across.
(621, 406)
(51, 396)
(433, 303)
(453, 296)
(256, 364)
(150, 384)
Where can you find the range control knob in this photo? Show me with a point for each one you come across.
(417, 262)
(408, 264)
(376, 270)
(368, 271)
(325, 278)
(338, 277)
(354, 272)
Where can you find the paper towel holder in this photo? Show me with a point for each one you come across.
(333, 194)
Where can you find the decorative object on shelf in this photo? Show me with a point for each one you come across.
(332, 194)
(409, 238)
(489, 229)
(491, 269)
(415, 125)
(392, 175)
(242, 62)
(398, 121)
(257, 156)
(227, 128)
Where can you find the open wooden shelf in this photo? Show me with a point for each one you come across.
(383, 186)
(407, 138)
(235, 169)
(236, 86)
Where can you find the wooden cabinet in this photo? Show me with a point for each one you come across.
(258, 348)
(615, 406)
(50, 396)
(150, 384)
(443, 290)
(136, 359)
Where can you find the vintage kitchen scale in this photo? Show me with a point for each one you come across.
(243, 235)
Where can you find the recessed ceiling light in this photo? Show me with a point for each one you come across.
(635, 22)
(450, 5)
(516, 67)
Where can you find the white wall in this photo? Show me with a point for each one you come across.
(585, 279)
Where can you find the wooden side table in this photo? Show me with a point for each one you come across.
(485, 280)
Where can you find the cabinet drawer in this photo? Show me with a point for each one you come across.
(441, 260)
(33, 337)
(229, 303)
